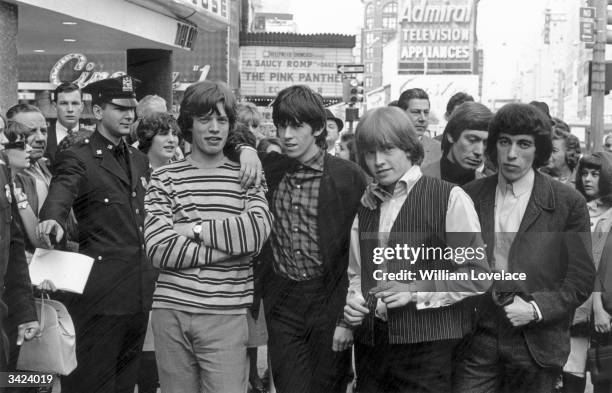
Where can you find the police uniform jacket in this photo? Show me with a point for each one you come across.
(109, 208)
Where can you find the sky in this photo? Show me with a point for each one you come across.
(322, 16)
(507, 30)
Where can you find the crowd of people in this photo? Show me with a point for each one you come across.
(210, 240)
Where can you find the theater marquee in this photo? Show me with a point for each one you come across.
(265, 70)
(436, 36)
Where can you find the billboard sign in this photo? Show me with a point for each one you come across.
(436, 36)
(266, 70)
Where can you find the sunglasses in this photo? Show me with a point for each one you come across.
(20, 145)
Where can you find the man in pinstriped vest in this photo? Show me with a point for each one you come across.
(407, 326)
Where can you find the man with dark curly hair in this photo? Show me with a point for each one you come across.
(538, 227)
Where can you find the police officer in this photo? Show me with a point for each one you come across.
(103, 180)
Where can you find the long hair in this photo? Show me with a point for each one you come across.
(386, 127)
(298, 104)
(521, 119)
(157, 123)
(601, 161)
(202, 98)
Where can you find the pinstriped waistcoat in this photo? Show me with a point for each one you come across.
(419, 223)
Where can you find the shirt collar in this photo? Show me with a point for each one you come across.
(316, 162)
(519, 187)
(596, 206)
(60, 127)
(403, 185)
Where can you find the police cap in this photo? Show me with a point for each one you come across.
(119, 91)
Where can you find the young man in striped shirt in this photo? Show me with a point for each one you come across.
(202, 229)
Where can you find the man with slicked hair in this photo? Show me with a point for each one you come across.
(415, 102)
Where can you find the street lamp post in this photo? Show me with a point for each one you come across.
(598, 75)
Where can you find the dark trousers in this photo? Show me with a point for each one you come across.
(403, 368)
(498, 360)
(300, 342)
(602, 339)
(108, 353)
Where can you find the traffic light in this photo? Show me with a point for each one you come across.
(356, 91)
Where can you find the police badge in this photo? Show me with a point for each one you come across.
(127, 84)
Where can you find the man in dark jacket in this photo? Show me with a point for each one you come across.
(463, 146)
(536, 226)
(314, 197)
(103, 180)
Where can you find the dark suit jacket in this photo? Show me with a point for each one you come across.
(16, 299)
(553, 248)
(109, 209)
(52, 141)
(342, 185)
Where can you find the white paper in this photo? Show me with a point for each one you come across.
(68, 270)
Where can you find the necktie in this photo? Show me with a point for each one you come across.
(121, 157)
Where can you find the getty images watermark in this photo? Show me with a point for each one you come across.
(414, 255)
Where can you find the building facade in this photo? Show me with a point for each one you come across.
(380, 25)
(173, 45)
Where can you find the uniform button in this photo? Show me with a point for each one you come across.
(137, 211)
(295, 207)
(105, 200)
(298, 187)
(99, 257)
(133, 194)
(295, 229)
(298, 252)
(142, 247)
(304, 275)
(140, 229)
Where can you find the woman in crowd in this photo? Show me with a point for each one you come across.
(158, 138)
(564, 158)
(594, 182)
(16, 155)
(607, 142)
(249, 115)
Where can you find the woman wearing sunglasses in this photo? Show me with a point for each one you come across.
(16, 154)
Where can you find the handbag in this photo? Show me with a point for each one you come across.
(54, 351)
(599, 363)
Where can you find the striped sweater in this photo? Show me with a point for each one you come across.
(214, 275)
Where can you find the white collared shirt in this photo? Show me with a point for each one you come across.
(511, 201)
(61, 132)
(461, 217)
